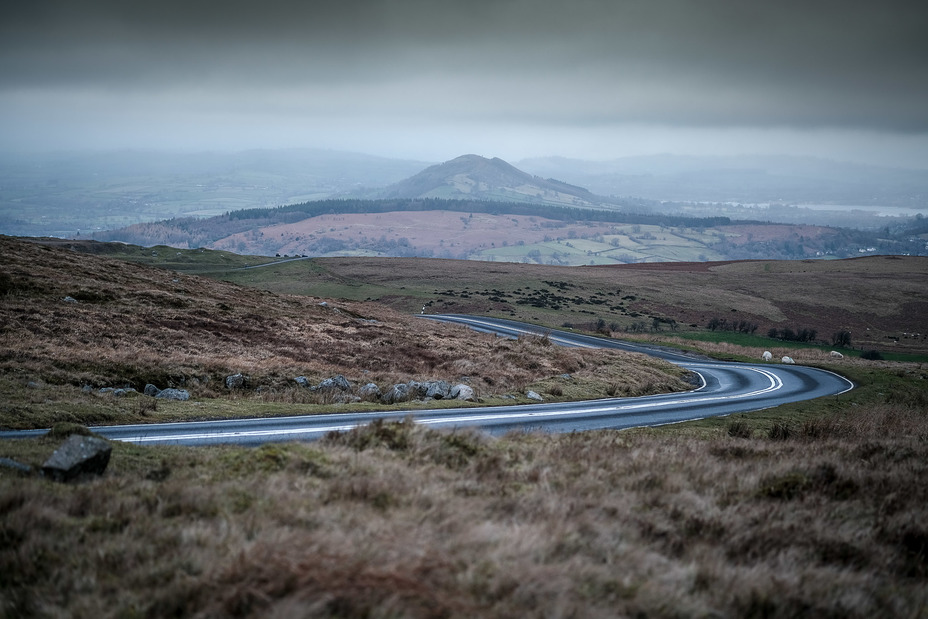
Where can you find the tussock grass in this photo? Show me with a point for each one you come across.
(396, 519)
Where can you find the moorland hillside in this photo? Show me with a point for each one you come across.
(72, 323)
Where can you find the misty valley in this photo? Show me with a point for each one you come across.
(319, 203)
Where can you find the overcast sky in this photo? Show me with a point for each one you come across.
(433, 79)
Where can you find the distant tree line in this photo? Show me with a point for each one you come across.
(789, 335)
(738, 326)
(559, 213)
(841, 339)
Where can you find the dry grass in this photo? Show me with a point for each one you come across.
(399, 520)
(132, 325)
(823, 517)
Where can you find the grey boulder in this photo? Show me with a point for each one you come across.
(236, 381)
(336, 382)
(151, 390)
(400, 392)
(79, 455)
(462, 392)
(437, 389)
(181, 395)
(370, 392)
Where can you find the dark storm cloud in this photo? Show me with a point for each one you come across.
(709, 63)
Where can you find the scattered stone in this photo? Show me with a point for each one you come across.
(323, 304)
(9, 463)
(236, 381)
(531, 395)
(69, 299)
(151, 390)
(302, 381)
(174, 394)
(122, 393)
(106, 390)
(79, 455)
(566, 376)
(32, 385)
(462, 392)
(86, 389)
(370, 392)
(337, 382)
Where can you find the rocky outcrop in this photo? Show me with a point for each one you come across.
(151, 390)
(77, 456)
(532, 395)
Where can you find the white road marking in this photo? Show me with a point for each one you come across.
(775, 384)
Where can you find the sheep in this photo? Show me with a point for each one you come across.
(787, 360)
(767, 355)
(835, 354)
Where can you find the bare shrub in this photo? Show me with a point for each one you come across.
(779, 432)
(146, 405)
(740, 429)
(393, 435)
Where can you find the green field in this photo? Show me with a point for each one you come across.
(644, 244)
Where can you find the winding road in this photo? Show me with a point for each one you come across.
(725, 388)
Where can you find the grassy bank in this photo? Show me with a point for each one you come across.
(399, 520)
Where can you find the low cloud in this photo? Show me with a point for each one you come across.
(529, 65)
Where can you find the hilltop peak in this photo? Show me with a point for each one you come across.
(477, 177)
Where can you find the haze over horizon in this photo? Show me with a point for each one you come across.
(426, 80)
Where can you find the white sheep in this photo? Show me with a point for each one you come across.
(787, 360)
(836, 354)
(767, 355)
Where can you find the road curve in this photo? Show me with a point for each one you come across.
(725, 388)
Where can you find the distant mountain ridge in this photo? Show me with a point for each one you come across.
(476, 177)
(748, 179)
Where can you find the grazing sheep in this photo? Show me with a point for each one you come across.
(787, 360)
(836, 354)
(767, 355)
